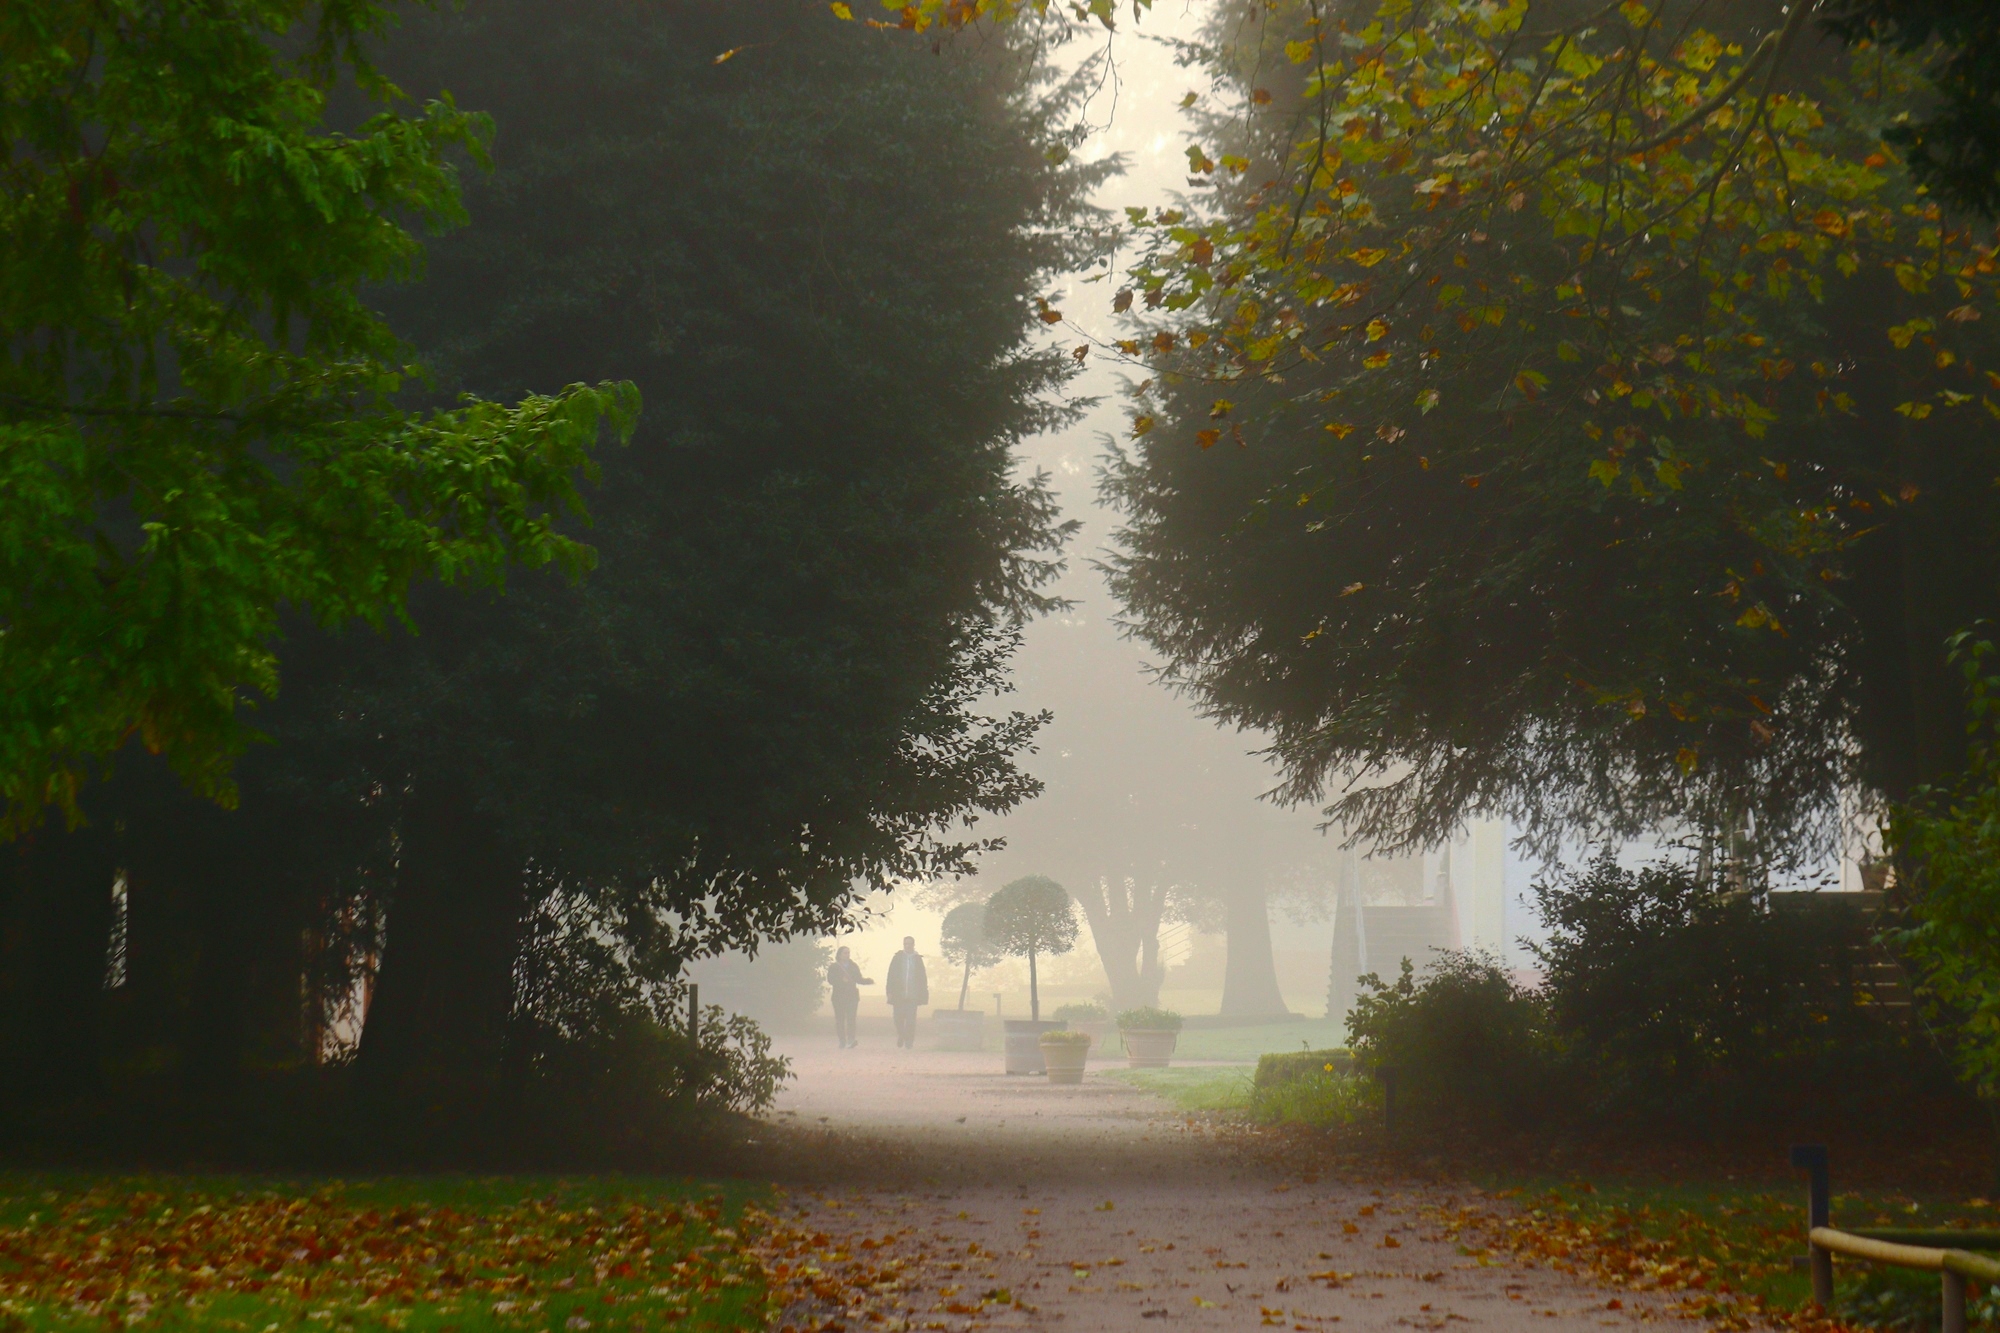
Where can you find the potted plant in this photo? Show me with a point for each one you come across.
(1150, 1036)
(1064, 1052)
(964, 941)
(1086, 1016)
(1029, 917)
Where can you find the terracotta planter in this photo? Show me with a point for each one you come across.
(1064, 1058)
(1149, 1048)
(1024, 1046)
(958, 1030)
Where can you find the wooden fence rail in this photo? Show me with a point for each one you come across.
(1945, 1253)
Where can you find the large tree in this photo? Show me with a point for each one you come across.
(774, 693)
(1572, 416)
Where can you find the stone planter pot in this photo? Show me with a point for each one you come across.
(1064, 1058)
(1149, 1048)
(1024, 1043)
(958, 1030)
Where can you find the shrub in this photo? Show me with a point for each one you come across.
(1290, 1066)
(1088, 1011)
(1063, 1038)
(1679, 1000)
(1149, 1019)
(1666, 1002)
(1464, 1043)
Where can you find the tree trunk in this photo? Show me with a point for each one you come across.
(1250, 978)
(435, 1036)
(66, 892)
(965, 987)
(1124, 921)
(1034, 996)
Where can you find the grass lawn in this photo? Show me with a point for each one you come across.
(1727, 1248)
(447, 1253)
(1216, 1088)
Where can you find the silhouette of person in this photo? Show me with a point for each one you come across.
(908, 988)
(844, 976)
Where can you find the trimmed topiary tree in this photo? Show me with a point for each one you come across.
(1031, 915)
(964, 940)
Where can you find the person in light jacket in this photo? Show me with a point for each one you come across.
(843, 975)
(908, 988)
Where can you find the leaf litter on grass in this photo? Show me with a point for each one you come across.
(416, 1255)
(1724, 1256)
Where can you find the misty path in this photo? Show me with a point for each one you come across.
(934, 1192)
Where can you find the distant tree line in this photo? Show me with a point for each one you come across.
(482, 841)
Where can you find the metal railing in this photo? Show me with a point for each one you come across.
(1945, 1253)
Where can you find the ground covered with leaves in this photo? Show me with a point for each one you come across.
(1728, 1251)
(1719, 1223)
(451, 1254)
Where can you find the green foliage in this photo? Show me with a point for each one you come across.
(1950, 837)
(1319, 1099)
(1684, 999)
(1466, 1043)
(1954, 147)
(1278, 1067)
(632, 1089)
(1666, 1002)
(602, 1066)
(1031, 915)
(1150, 1019)
(195, 402)
(963, 939)
(775, 693)
(1062, 1037)
(1593, 428)
(1088, 1011)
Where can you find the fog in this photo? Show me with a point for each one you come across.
(1135, 781)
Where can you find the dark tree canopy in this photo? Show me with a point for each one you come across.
(775, 691)
(1953, 147)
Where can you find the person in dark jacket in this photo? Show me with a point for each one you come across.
(908, 988)
(843, 975)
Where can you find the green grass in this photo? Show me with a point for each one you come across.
(452, 1254)
(1734, 1244)
(1208, 1088)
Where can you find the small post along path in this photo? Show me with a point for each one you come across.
(928, 1190)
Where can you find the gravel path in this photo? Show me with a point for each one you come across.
(927, 1190)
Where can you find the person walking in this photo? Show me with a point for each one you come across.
(908, 988)
(844, 976)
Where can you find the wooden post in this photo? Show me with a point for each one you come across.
(1954, 1302)
(1812, 1159)
(694, 1014)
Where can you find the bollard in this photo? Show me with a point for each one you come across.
(1954, 1302)
(694, 1014)
(1812, 1159)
